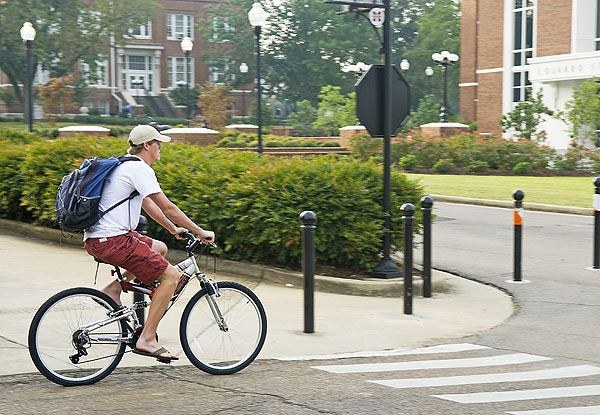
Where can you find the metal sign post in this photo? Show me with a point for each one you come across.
(387, 268)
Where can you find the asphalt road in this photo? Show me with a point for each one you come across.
(559, 308)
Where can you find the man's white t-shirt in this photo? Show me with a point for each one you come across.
(127, 177)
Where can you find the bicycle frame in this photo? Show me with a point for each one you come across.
(189, 267)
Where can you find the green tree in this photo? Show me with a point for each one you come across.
(67, 31)
(582, 112)
(335, 110)
(304, 45)
(229, 38)
(181, 95)
(526, 117)
(303, 119)
(439, 29)
(266, 113)
(427, 111)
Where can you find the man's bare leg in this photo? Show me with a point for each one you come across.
(168, 282)
(113, 290)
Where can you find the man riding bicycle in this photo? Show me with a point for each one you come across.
(113, 238)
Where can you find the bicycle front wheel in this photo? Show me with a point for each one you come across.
(223, 350)
(63, 351)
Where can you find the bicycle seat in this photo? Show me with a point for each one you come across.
(99, 260)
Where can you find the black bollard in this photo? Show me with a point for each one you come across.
(518, 238)
(409, 216)
(141, 228)
(597, 223)
(309, 221)
(426, 207)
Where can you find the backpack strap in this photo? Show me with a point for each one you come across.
(133, 194)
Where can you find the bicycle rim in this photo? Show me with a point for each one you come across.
(51, 337)
(224, 352)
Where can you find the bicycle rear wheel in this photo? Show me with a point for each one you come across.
(217, 351)
(54, 337)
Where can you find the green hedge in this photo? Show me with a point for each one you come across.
(252, 203)
(236, 139)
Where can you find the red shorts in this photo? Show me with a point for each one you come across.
(132, 251)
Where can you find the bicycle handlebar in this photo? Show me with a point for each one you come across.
(192, 238)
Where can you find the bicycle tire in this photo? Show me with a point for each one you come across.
(51, 337)
(223, 352)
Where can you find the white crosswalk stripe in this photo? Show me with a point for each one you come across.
(505, 396)
(582, 410)
(507, 359)
(527, 376)
(443, 348)
(559, 373)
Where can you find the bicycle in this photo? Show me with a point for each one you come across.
(79, 335)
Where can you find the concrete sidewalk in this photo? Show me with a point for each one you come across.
(32, 270)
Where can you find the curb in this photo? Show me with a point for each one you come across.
(510, 205)
(370, 287)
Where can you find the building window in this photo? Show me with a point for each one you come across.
(523, 47)
(180, 26)
(99, 78)
(597, 25)
(176, 73)
(137, 63)
(144, 31)
(103, 108)
(222, 30)
(218, 72)
(42, 77)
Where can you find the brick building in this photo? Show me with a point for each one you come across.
(512, 48)
(149, 65)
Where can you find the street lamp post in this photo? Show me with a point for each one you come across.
(186, 46)
(258, 17)
(429, 73)
(243, 70)
(28, 35)
(444, 59)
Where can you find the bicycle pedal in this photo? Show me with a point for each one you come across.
(165, 361)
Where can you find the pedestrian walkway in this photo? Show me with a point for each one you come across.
(33, 270)
(513, 379)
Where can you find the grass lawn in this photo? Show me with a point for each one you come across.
(566, 191)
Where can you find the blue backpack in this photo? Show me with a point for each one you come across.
(78, 199)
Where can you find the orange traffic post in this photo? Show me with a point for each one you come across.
(518, 238)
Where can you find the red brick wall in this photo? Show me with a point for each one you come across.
(489, 106)
(468, 61)
(490, 41)
(553, 27)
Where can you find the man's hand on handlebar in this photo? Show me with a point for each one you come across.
(180, 233)
(207, 237)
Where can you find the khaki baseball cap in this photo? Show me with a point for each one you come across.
(144, 133)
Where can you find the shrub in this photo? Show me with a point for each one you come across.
(233, 139)
(466, 149)
(521, 168)
(477, 166)
(443, 166)
(251, 202)
(48, 132)
(364, 146)
(9, 135)
(408, 162)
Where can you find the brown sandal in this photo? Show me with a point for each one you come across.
(157, 354)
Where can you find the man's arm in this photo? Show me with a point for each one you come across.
(173, 213)
(155, 213)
